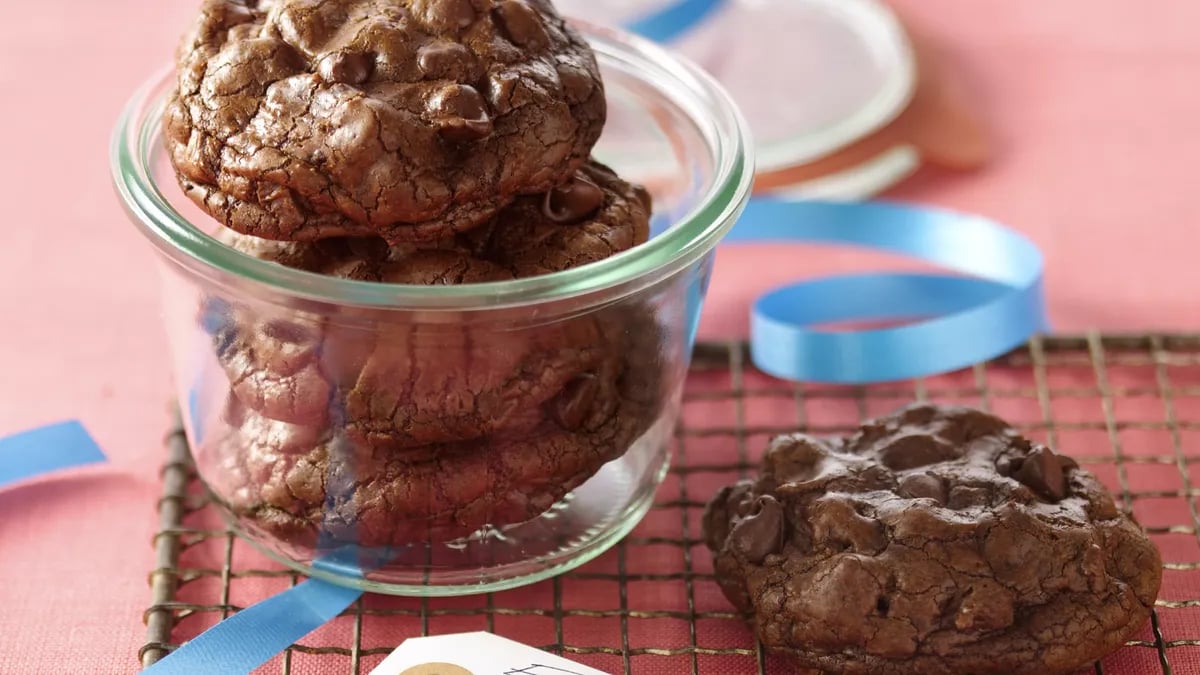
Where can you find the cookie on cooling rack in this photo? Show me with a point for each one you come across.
(934, 541)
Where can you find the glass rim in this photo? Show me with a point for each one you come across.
(689, 237)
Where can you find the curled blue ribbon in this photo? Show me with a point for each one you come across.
(45, 450)
(991, 303)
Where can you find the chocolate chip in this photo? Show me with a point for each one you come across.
(923, 486)
(760, 533)
(796, 458)
(575, 200)
(571, 407)
(445, 15)
(914, 450)
(965, 497)
(500, 89)
(1042, 472)
(521, 23)
(919, 414)
(348, 68)
(443, 59)
(460, 113)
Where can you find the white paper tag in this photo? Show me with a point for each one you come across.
(475, 654)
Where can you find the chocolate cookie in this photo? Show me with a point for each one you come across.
(937, 540)
(592, 216)
(298, 483)
(371, 259)
(405, 119)
(401, 386)
(398, 385)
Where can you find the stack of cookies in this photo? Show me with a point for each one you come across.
(424, 142)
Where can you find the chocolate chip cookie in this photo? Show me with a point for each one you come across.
(304, 483)
(400, 385)
(592, 216)
(934, 541)
(404, 119)
(397, 385)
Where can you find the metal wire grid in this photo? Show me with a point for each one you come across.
(1127, 407)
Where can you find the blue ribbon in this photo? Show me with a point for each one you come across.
(254, 635)
(45, 450)
(674, 19)
(961, 320)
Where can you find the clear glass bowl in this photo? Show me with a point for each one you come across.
(448, 440)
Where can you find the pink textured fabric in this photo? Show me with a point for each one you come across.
(1094, 111)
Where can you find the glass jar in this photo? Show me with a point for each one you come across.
(444, 440)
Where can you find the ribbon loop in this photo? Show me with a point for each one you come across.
(955, 320)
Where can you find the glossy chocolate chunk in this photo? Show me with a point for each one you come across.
(348, 68)
(461, 114)
(1042, 471)
(521, 23)
(760, 532)
(576, 200)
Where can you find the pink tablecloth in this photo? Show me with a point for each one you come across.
(1093, 107)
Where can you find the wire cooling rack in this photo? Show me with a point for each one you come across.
(1127, 407)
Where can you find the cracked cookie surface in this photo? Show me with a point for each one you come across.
(404, 119)
(933, 541)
